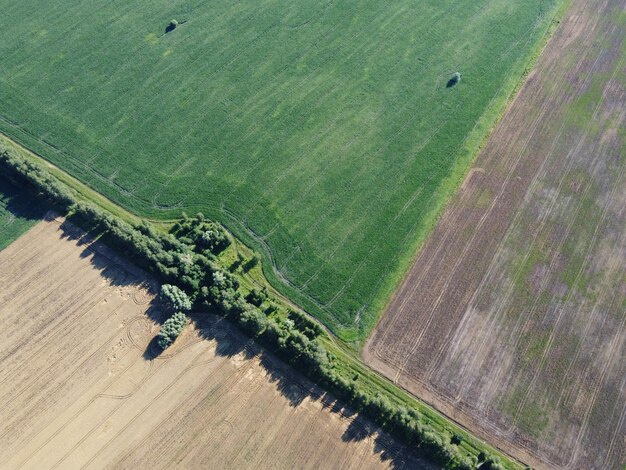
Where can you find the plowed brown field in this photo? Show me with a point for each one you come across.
(512, 319)
(82, 387)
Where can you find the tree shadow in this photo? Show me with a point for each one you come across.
(118, 272)
(282, 376)
(30, 211)
(230, 342)
(20, 203)
(297, 389)
(358, 430)
(452, 82)
(71, 232)
(153, 350)
(113, 268)
(388, 450)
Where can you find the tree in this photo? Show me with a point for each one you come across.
(206, 236)
(176, 297)
(253, 321)
(256, 297)
(171, 329)
(213, 238)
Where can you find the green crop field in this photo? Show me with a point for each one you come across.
(18, 212)
(321, 133)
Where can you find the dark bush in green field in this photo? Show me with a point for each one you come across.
(237, 263)
(491, 463)
(170, 330)
(171, 26)
(456, 78)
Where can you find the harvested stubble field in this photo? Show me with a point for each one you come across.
(512, 319)
(320, 132)
(83, 388)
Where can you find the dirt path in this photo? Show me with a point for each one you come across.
(512, 319)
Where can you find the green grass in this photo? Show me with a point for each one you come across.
(321, 133)
(347, 362)
(18, 212)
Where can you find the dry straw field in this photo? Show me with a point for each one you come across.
(83, 387)
(513, 318)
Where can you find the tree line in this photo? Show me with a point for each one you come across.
(185, 262)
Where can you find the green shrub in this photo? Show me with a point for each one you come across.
(456, 78)
(170, 330)
(205, 235)
(303, 323)
(492, 463)
(175, 297)
(171, 26)
(253, 321)
(256, 297)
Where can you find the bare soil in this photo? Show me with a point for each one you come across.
(83, 386)
(512, 319)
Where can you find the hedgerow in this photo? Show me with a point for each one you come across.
(190, 271)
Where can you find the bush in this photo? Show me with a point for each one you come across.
(492, 463)
(175, 297)
(224, 280)
(456, 78)
(171, 329)
(253, 321)
(35, 178)
(237, 263)
(206, 236)
(256, 297)
(171, 26)
(309, 327)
